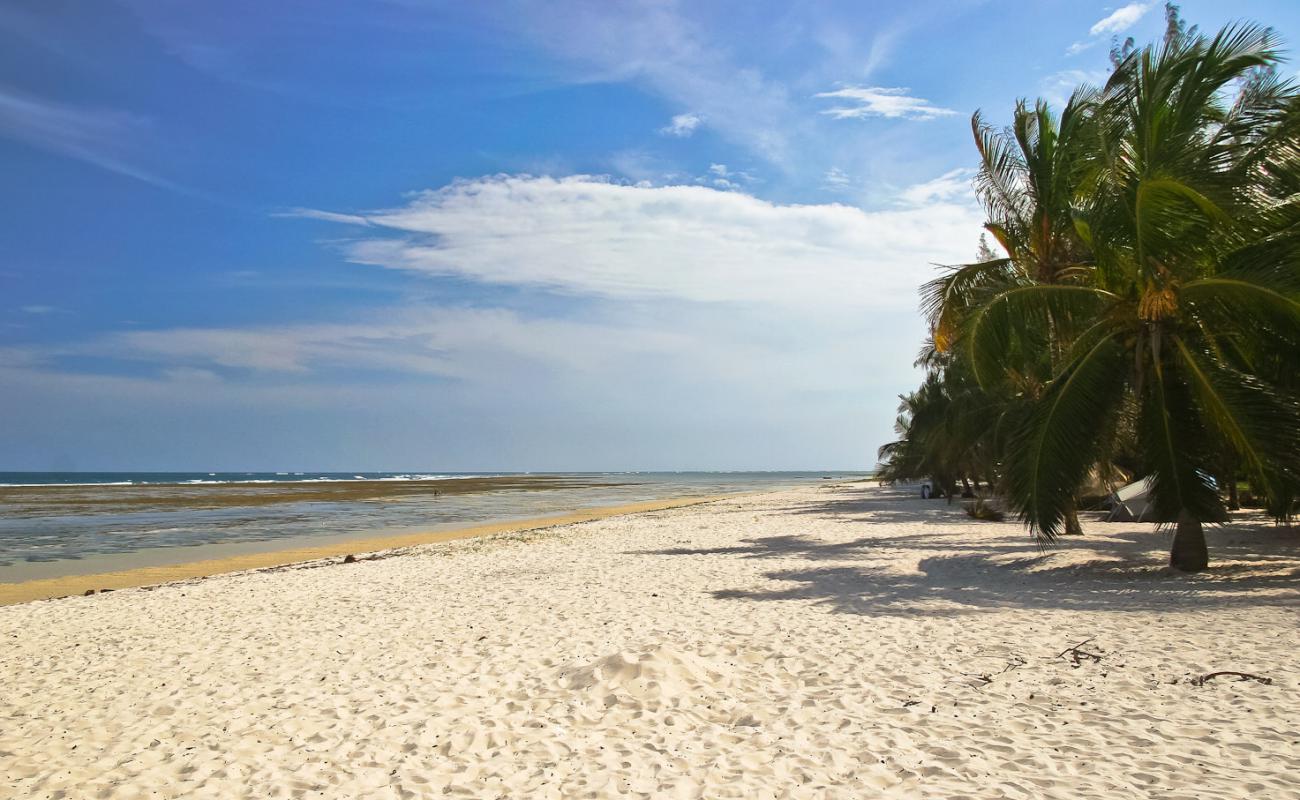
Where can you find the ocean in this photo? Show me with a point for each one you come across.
(68, 523)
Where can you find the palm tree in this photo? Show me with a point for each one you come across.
(1026, 183)
(1188, 313)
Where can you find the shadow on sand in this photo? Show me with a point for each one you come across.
(965, 569)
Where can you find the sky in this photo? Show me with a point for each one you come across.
(398, 234)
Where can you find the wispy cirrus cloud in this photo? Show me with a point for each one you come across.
(723, 77)
(881, 101)
(726, 75)
(104, 137)
(660, 47)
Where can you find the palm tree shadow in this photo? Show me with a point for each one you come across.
(887, 504)
(958, 573)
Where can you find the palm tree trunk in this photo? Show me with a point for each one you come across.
(1234, 502)
(1072, 525)
(1189, 552)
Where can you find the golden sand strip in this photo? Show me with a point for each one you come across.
(46, 588)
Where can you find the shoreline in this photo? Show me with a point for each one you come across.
(54, 588)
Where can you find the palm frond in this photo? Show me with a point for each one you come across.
(1257, 422)
(1176, 450)
(1059, 442)
(1015, 322)
(946, 299)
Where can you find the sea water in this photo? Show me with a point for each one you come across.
(64, 523)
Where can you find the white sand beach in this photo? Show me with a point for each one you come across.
(835, 641)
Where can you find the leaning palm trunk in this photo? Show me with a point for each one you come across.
(1189, 552)
(1072, 525)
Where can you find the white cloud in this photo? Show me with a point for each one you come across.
(1121, 19)
(589, 236)
(101, 137)
(790, 328)
(953, 186)
(1118, 21)
(882, 101)
(40, 309)
(324, 216)
(682, 125)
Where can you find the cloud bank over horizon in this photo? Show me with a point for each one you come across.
(722, 305)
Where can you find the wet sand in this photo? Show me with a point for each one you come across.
(274, 553)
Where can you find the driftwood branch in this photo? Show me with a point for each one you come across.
(979, 679)
(1015, 662)
(1240, 676)
(1077, 654)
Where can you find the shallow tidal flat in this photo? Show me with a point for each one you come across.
(81, 499)
(51, 531)
(831, 641)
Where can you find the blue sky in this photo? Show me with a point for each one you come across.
(534, 236)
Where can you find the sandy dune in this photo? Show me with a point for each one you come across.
(826, 642)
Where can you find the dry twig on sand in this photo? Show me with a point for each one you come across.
(980, 679)
(1241, 676)
(1015, 662)
(1078, 655)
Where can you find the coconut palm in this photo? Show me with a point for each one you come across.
(1026, 182)
(1188, 312)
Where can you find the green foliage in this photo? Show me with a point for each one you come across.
(1148, 307)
